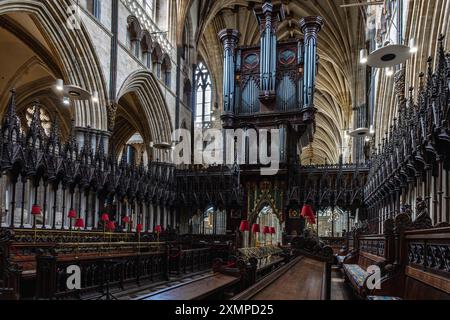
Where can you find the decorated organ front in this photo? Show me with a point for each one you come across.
(271, 85)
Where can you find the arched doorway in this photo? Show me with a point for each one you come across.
(268, 218)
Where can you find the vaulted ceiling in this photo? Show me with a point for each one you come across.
(340, 79)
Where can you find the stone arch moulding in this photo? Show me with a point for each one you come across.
(75, 52)
(147, 41)
(134, 27)
(143, 84)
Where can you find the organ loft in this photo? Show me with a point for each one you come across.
(224, 150)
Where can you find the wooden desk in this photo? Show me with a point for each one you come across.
(195, 290)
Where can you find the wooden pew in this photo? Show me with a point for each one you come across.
(19, 249)
(372, 250)
(303, 278)
(117, 264)
(422, 271)
(183, 261)
(336, 243)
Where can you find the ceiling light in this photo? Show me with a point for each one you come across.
(59, 84)
(363, 56)
(66, 101)
(360, 132)
(77, 93)
(388, 56)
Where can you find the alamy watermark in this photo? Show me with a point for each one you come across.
(229, 146)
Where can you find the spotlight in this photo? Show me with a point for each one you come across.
(66, 101)
(363, 56)
(59, 84)
(413, 46)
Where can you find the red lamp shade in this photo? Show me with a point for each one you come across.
(139, 228)
(307, 211)
(266, 230)
(111, 226)
(79, 223)
(245, 226)
(126, 220)
(158, 229)
(255, 228)
(72, 214)
(312, 219)
(36, 210)
(272, 230)
(105, 217)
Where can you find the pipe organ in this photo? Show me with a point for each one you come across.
(272, 85)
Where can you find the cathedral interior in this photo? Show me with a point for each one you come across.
(224, 150)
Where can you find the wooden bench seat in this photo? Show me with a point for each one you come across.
(208, 287)
(356, 264)
(423, 268)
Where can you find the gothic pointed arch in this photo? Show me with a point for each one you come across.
(66, 49)
(142, 109)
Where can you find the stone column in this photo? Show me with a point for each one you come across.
(310, 27)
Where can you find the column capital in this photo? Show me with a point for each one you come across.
(229, 36)
(311, 24)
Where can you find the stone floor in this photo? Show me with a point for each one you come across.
(339, 289)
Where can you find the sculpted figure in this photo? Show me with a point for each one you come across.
(423, 220)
